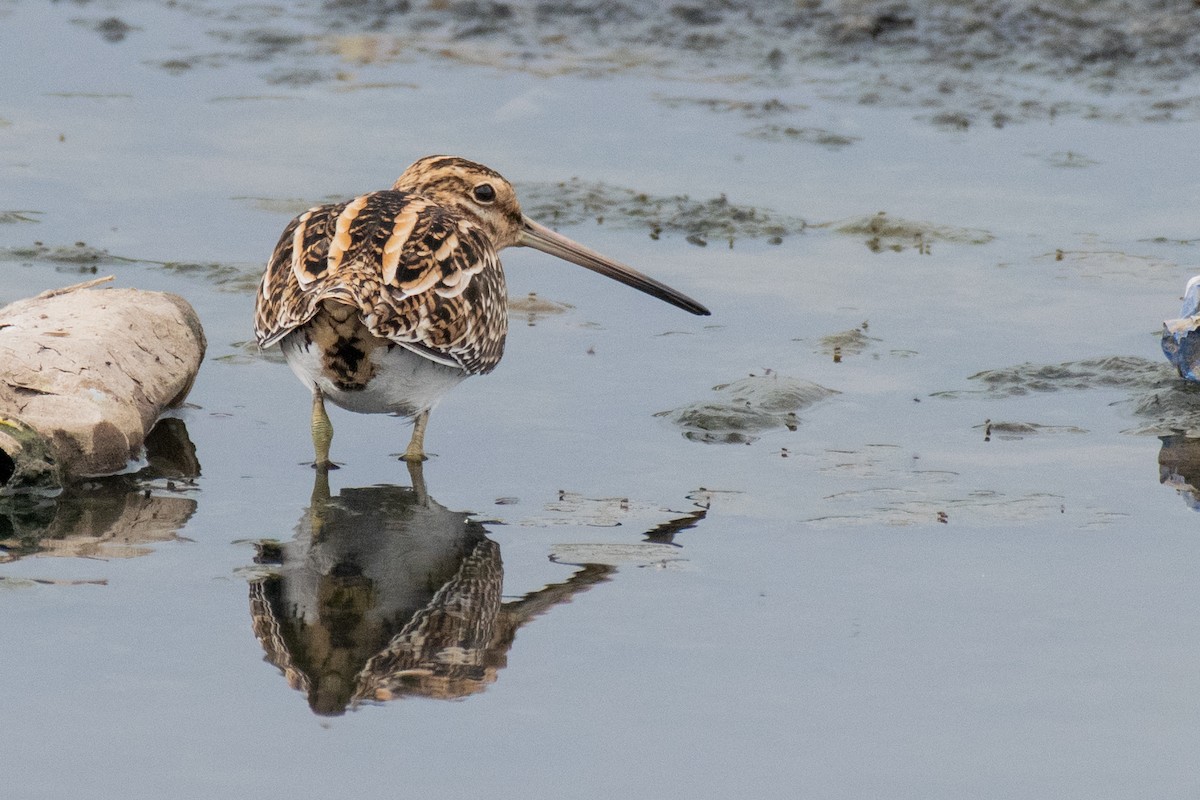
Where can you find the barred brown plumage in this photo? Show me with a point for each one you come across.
(385, 302)
(384, 253)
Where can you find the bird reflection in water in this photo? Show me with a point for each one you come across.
(384, 593)
(1179, 466)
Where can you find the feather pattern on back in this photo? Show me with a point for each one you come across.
(418, 273)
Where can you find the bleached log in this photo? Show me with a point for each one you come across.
(84, 374)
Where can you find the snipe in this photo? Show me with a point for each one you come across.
(385, 302)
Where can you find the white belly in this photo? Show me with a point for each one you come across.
(404, 382)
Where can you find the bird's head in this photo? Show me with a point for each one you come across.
(478, 193)
(482, 195)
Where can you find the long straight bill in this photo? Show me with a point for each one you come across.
(542, 238)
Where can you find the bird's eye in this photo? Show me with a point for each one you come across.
(485, 193)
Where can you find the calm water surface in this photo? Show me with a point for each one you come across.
(924, 585)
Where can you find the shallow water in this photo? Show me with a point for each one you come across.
(924, 540)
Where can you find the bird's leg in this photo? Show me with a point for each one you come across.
(322, 431)
(416, 445)
(416, 473)
(318, 504)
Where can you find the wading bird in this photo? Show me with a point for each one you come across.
(384, 303)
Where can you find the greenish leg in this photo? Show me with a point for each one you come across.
(322, 432)
(416, 445)
(416, 473)
(318, 504)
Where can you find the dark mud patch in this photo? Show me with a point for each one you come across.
(1172, 241)
(1164, 403)
(111, 29)
(1077, 38)
(961, 64)
(751, 109)
(297, 78)
(1119, 372)
(227, 277)
(256, 42)
(746, 408)
(576, 201)
(814, 136)
(762, 109)
(883, 232)
(78, 253)
(1172, 409)
(85, 259)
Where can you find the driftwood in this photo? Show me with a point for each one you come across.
(84, 375)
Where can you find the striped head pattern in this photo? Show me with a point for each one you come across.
(478, 193)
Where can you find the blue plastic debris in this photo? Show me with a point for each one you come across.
(1181, 337)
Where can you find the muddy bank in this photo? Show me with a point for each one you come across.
(958, 64)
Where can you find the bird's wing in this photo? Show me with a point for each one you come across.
(420, 276)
